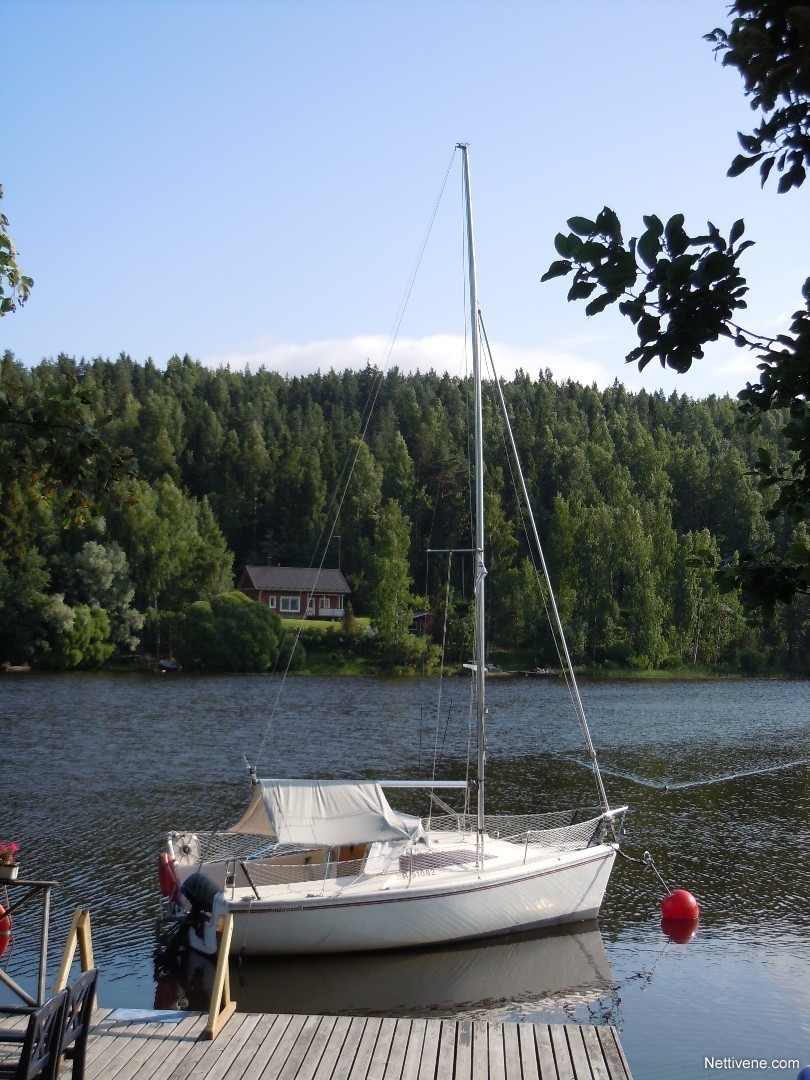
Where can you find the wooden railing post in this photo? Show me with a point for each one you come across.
(79, 934)
(222, 1008)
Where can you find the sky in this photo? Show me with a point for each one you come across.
(250, 182)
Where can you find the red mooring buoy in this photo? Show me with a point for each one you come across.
(680, 906)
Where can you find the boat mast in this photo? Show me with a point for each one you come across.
(480, 569)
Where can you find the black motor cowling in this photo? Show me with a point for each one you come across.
(200, 891)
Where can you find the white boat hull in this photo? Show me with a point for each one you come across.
(392, 913)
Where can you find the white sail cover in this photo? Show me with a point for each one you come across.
(333, 812)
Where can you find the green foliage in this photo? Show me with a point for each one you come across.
(784, 384)
(292, 655)
(768, 42)
(51, 436)
(27, 615)
(752, 661)
(682, 292)
(229, 633)
(102, 581)
(14, 285)
(691, 286)
(173, 544)
(619, 483)
(392, 604)
(84, 642)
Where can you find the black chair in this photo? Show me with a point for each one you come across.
(76, 1027)
(81, 1002)
(41, 1050)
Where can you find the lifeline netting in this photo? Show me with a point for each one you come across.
(558, 831)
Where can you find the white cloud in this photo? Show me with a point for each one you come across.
(439, 352)
(588, 358)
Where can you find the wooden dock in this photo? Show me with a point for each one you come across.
(261, 1046)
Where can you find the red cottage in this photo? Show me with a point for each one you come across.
(296, 591)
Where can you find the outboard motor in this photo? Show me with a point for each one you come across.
(201, 892)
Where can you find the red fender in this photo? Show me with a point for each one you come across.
(167, 876)
(5, 930)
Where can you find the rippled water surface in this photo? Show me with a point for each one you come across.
(96, 768)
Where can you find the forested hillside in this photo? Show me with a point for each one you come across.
(637, 498)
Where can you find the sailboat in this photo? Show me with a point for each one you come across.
(330, 866)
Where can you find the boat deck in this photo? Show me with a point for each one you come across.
(153, 1045)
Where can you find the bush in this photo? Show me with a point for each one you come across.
(298, 660)
(752, 661)
(85, 643)
(231, 633)
(620, 652)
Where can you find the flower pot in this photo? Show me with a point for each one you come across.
(8, 873)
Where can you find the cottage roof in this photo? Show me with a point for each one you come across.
(297, 579)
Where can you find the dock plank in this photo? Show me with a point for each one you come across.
(529, 1069)
(382, 1049)
(511, 1050)
(345, 1062)
(578, 1051)
(430, 1052)
(365, 1049)
(396, 1052)
(480, 1049)
(284, 1047)
(299, 1049)
(595, 1056)
(333, 1049)
(253, 1046)
(614, 1055)
(495, 1052)
(150, 1055)
(546, 1062)
(464, 1045)
(562, 1053)
(314, 1050)
(413, 1053)
(257, 1048)
(230, 1058)
(114, 1045)
(445, 1060)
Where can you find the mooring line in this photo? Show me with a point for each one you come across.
(680, 785)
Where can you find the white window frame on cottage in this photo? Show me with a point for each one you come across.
(325, 602)
(310, 605)
(271, 601)
(291, 604)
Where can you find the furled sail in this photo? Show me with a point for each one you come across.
(331, 812)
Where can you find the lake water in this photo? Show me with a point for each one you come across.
(96, 768)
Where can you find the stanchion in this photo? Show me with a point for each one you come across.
(222, 1008)
(78, 935)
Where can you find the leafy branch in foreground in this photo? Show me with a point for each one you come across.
(10, 275)
(690, 286)
(769, 44)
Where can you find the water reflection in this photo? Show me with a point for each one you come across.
(564, 974)
(99, 767)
